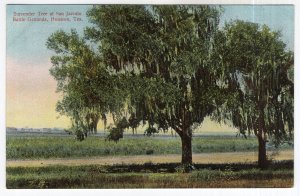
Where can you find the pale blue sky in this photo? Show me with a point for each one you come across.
(277, 17)
(26, 40)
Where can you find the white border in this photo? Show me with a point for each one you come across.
(145, 192)
(2, 93)
(150, 2)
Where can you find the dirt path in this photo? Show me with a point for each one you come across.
(228, 157)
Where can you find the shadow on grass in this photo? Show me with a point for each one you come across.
(173, 167)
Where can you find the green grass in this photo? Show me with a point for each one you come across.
(35, 147)
(150, 176)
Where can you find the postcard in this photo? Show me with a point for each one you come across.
(139, 96)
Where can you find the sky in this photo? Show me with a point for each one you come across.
(31, 91)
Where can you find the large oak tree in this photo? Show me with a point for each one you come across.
(166, 52)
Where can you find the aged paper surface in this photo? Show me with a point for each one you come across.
(64, 147)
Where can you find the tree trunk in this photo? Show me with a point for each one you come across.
(95, 127)
(95, 121)
(261, 136)
(262, 153)
(186, 157)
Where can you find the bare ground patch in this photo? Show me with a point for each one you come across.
(228, 157)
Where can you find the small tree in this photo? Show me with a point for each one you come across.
(116, 132)
(89, 91)
(260, 97)
(133, 123)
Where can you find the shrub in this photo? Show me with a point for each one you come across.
(149, 151)
(115, 134)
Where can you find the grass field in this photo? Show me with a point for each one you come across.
(151, 176)
(62, 162)
(43, 147)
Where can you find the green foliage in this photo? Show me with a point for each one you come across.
(150, 131)
(256, 70)
(115, 134)
(164, 50)
(89, 91)
(260, 86)
(78, 132)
